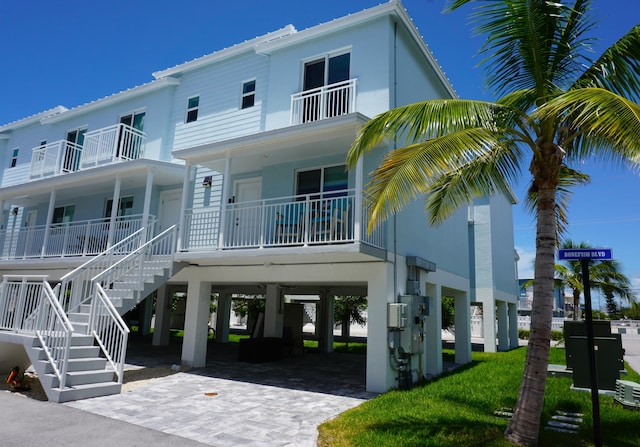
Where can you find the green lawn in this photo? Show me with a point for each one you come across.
(457, 409)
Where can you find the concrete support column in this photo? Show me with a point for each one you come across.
(433, 331)
(273, 311)
(196, 319)
(503, 326)
(223, 315)
(513, 325)
(489, 324)
(463, 328)
(324, 317)
(146, 313)
(380, 374)
(163, 317)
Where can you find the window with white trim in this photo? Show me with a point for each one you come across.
(328, 180)
(125, 207)
(193, 104)
(14, 158)
(248, 94)
(63, 214)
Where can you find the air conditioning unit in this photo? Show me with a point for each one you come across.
(628, 393)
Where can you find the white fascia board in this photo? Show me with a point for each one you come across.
(205, 152)
(391, 8)
(248, 45)
(88, 176)
(33, 119)
(116, 97)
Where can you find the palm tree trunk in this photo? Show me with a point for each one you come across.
(576, 304)
(525, 423)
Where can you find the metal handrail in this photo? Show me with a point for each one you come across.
(77, 285)
(28, 304)
(109, 329)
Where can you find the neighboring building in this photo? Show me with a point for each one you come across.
(244, 151)
(525, 299)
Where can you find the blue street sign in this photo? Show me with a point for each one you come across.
(576, 254)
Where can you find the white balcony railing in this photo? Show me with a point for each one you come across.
(54, 158)
(324, 102)
(279, 222)
(78, 238)
(112, 144)
(102, 146)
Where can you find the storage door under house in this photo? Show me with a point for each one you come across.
(169, 213)
(246, 213)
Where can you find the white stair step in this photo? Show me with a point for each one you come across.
(84, 391)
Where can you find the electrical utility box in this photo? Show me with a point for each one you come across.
(417, 309)
(397, 315)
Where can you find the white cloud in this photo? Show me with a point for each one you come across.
(525, 264)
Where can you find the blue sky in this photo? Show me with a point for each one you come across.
(72, 52)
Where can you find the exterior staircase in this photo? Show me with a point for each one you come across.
(74, 335)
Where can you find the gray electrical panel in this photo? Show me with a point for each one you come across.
(417, 309)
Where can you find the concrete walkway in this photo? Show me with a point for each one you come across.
(234, 404)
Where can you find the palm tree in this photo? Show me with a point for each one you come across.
(349, 309)
(603, 275)
(556, 107)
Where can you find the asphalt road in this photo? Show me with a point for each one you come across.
(32, 423)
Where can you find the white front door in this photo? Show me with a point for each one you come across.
(169, 213)
(246, 212)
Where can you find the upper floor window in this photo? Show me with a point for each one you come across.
(125, 207)
(326, 71)
(323, 180)
(248, 94)
(135, 120)
(14, 158)
(192, 108)
(63, 214)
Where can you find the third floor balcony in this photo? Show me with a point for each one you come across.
(108, 145)
(324, 102)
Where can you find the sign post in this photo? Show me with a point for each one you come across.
(584, 255)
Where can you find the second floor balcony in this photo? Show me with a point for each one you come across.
(75, 238)
(324, 102)
(108, 145)
(296, 221)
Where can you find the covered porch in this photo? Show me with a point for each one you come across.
(85, 212)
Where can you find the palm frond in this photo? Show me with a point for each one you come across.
(425, 120)
(618, 68)
(484, 175)
(605, 124)
(531, 45)
(409, 172)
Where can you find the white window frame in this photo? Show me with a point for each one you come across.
(244, 95)
(14, 157)
(195, 109)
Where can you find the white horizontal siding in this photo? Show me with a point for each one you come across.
(219, 88)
